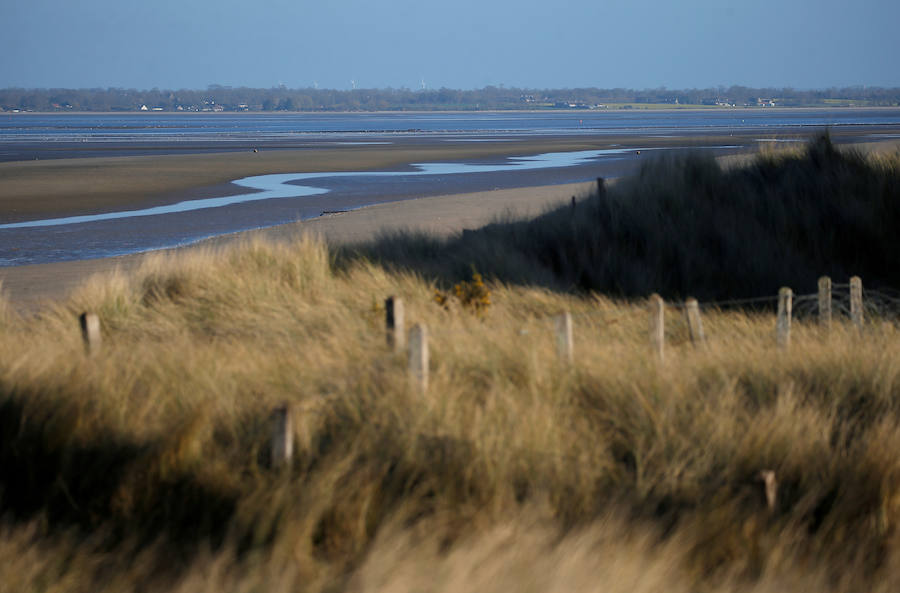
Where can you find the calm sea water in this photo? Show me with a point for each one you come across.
(221, 127)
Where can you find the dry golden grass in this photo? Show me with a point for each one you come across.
(146, 467)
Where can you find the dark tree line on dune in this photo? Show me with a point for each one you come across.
(223, 98)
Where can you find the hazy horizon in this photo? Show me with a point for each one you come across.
(463, 45)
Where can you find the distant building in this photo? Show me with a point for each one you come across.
(571, 105)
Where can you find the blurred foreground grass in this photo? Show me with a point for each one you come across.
(146, 467)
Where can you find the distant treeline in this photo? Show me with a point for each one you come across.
(223, 98)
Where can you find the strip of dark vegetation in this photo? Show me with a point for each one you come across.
(223, 98)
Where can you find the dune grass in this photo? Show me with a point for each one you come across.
(146, 467)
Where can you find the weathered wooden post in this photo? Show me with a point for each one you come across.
(564, 343)
(657, 326)
(601, 187)
(783, 322)
(418, 357)
(825, 302)
(282, 435)
(695, 323)
(770, 488)
(395, 323)
(90, 332)
(856, 302)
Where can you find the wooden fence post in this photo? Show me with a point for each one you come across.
(395, 323)
(657, 326)
(282, 435)
(418, 356)
(783, 322)
(601, 187)
(90, 332)
(695, 323)
(825, 302)
(770, 488)
(564, 343)
(856, 302)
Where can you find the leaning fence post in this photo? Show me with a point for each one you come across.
(282, 435)
(90, 331)
(783, 323)
(657, 326)
(856, 301)
(418, 356)
(395, 321)
(695, 324)
(825, 302)
(564, 344)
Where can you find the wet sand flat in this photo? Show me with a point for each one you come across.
(82, 185)
(64, 187)
(262, 201)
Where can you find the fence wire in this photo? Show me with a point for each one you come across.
(881, 304)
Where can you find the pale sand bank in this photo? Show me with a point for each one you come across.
(28, 286)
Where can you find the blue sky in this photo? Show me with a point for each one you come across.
(456, 44)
